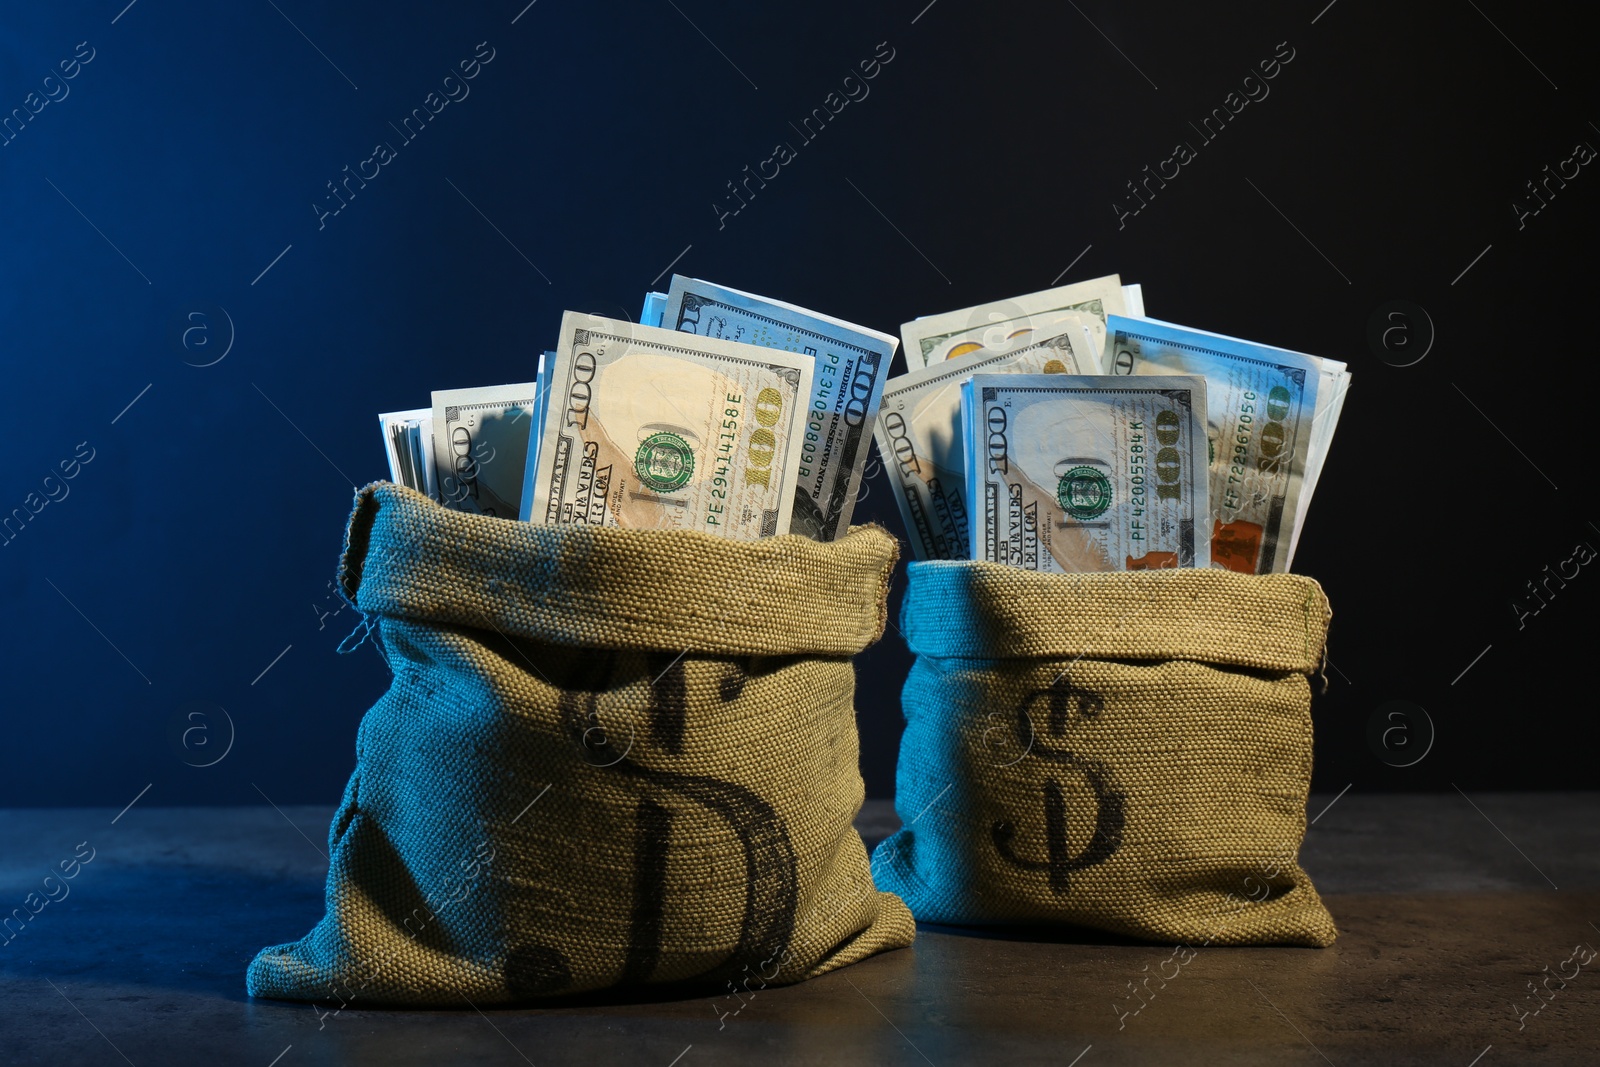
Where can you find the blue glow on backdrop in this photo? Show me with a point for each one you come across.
(234, 234)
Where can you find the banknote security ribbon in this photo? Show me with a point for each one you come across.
(1126, 751)
(608, 757)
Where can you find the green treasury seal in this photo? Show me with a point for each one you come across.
(1084, 493)
(664, 462)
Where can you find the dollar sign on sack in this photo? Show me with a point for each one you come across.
(1065, 705)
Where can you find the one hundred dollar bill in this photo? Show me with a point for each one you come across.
(649, 428)
(1333, 385)
(1087, 473)
(852, 364)
(919, 437)
(1006, 324)
(480, 447)
(1260, 403)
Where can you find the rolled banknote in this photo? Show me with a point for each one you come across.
(1260, 404)
(1087, 473)
(1331, 391)
(541, 401)
(408, 442)
(649, 428)
(1005, 324)
(655, 305)
(1133, 299)
(480, 447)
(852, 364)
(919, 437)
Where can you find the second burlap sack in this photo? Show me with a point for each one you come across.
(1125, 751)
(608, 758)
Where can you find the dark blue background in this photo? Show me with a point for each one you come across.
(198, 543)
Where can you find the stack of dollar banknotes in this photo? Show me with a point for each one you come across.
(1058, 431)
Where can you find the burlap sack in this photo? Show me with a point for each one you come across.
(607, 758)
(1124, 751)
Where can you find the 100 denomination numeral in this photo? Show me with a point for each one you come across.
(763, 442)
(999, 463)
(1169, 464)
(580, 392)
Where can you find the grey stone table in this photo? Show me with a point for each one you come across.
(1448, 906)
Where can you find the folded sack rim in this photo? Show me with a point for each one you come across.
(401, 559)
(996, 612)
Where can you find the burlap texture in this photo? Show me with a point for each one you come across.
(1127, 751)
(607, 758)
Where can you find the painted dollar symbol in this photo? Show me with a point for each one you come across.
(1065, 702)
(767, 922)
